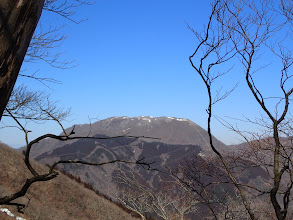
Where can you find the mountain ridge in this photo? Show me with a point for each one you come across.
(170, 130)
(178, 139)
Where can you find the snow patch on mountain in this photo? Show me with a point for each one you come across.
(7, 211)
(149, 118)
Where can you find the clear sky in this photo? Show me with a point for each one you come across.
(132, 60)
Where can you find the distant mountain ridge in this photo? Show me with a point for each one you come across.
(170, 130)
(176, 144)
(178, 139)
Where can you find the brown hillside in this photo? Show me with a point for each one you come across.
(60, 198)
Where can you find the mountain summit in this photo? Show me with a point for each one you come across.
(168, 130)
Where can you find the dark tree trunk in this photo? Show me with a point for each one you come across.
(18, 21)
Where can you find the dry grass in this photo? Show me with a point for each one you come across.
(60, 198)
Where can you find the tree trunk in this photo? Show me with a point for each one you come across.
(18, 21)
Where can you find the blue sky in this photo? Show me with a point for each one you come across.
(132, 60)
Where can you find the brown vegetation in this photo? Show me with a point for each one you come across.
(60, 198)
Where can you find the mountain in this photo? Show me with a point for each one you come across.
(60, 198)
(172, 141)
(169, 130)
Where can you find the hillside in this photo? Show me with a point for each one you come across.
(179, 140)
(175, 144)
(175, 140)
(60, 198)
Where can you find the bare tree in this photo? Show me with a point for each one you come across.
(171, 200)
(207, 182)
(132, 194)
(242, 31)
(18, 21)
(26, 104)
